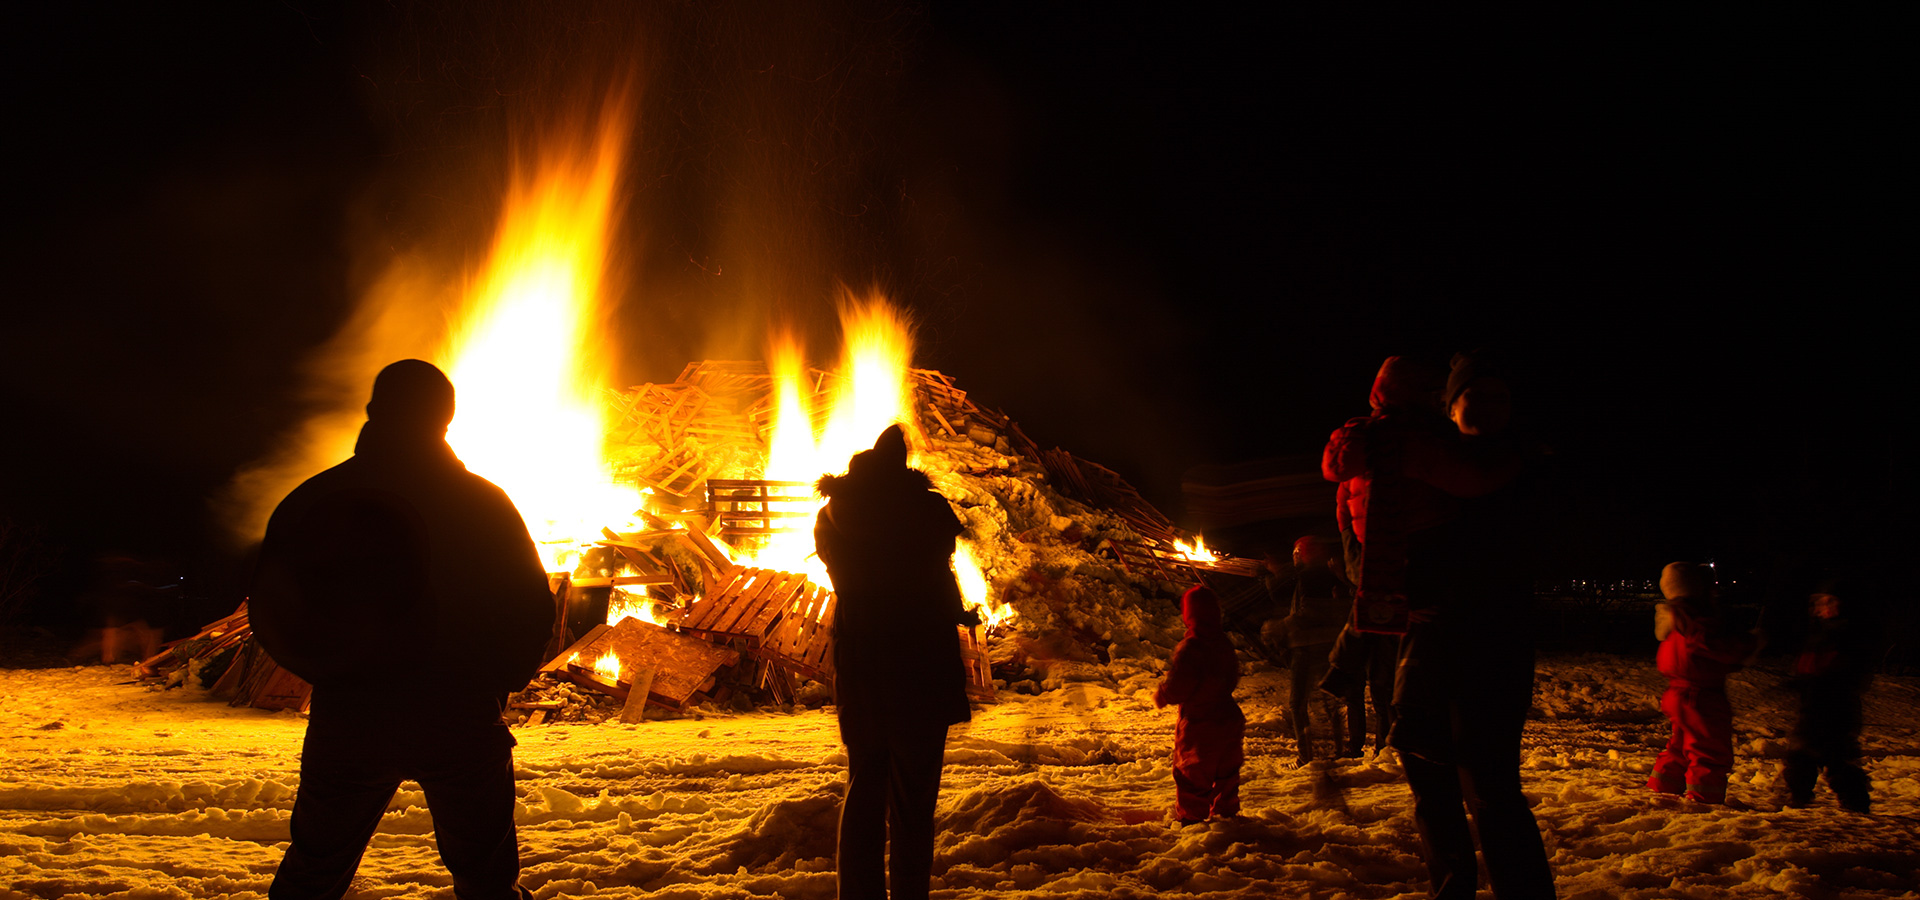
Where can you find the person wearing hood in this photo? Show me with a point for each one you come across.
(1698, 650)
(1379, 508)
(1465, 678)
(887, 541)
(408, 592)
(1207, 751)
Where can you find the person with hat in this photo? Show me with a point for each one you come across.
(1465, 679)
(887, 540)
(408, 592)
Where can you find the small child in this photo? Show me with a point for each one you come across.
(1697, 653)
(1206, 742)
(1831, 673)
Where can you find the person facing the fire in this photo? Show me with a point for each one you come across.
(1207, 751)
(887, 541)
(1316, 610)
(407, 591)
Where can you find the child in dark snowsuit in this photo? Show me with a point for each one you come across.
(1697, 653)
(1206, 742)
(1831, 673)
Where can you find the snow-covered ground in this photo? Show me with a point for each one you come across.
(114, 790)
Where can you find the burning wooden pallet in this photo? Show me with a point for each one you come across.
(780, 619)
(747, 508)
(674, 668)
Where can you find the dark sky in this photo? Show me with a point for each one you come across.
(1156, 237)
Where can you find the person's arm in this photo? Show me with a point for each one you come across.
(1182, 678)
(1454, 468)
(1346, 454)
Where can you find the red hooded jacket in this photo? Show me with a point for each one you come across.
(1367, 457)
(1203, 672)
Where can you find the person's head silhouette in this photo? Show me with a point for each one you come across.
(411, 396)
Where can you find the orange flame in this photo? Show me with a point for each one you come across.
(624, 604)
(871, 389)
(1196, 551)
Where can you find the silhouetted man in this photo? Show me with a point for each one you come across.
(886, 539)
(407, 591)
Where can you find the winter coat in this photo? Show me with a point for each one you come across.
(1203, 672)
(1698, 650)
(887, 540)
(1365, 457)
(398, 578)
(1321, 604)
(1836, 658)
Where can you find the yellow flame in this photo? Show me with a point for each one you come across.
(1196, 551)
(522, 357)
(624, 604)
(871, 390)
(608, 667)
(868, 392)
(974, 589)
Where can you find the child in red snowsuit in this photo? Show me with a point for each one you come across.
(1206, 742)
(1697, 653)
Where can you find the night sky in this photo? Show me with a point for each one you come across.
(1157, 237)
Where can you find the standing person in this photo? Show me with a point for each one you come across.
(1315, 614)
(1465, 680)
(407, 591)
(887, 541)
(1697, 653)
(1207, 740)
(1379, 509)
(1832, 671)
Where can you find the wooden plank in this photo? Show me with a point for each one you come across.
(705, 611)
(748, 602)
(622, 581)
(594, 634)
(635, 710)
(721, 561)
(680, 663)
(779, 603)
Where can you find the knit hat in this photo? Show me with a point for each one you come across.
(1467, 367)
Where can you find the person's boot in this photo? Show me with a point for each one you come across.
(1850, 785)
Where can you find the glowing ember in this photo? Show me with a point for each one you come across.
(530, 418)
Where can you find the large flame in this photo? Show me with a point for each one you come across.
(522, 357)
(871, 390)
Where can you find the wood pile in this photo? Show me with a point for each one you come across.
(250, 677)
(731, 629)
